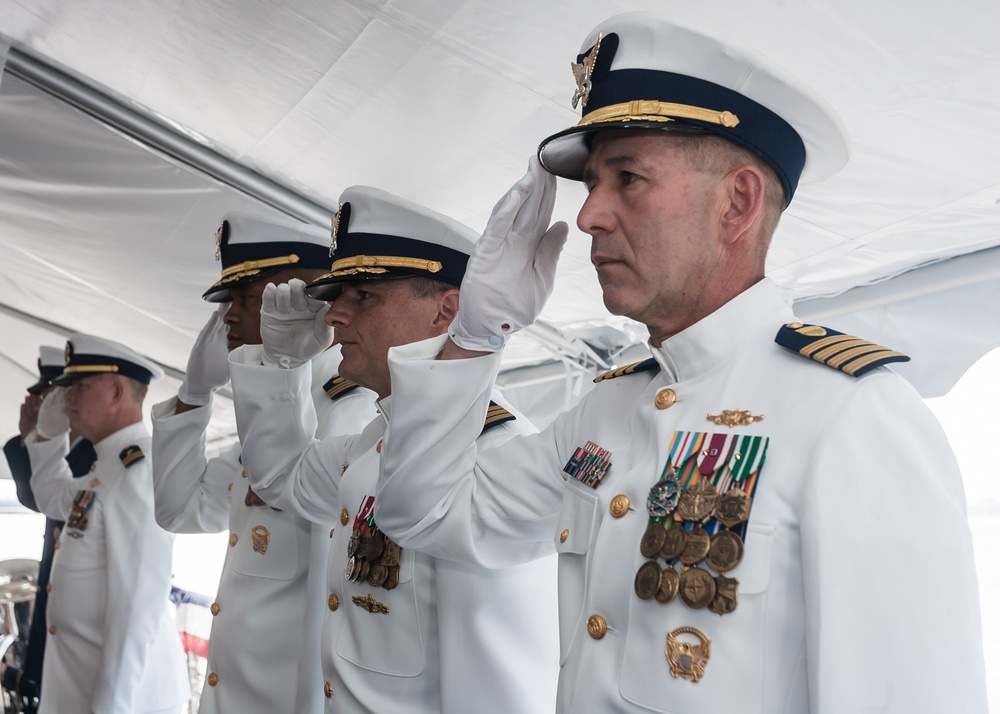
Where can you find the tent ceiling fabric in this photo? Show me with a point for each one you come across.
(442, 102)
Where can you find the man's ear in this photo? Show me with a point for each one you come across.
(744, 202)
(447, 309)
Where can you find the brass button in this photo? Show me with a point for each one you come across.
(378, 447)
(230, 487)
(213, 679)
(52, 629)
(564, 535)
(619, 505)
(333, 601)
(48, 587)
(232, 539)
(331, 532)
(93, 467)
(665, 399)
(327, 689)
(215, 609)
(58, 545)
(244, 473)
(343, 516)
(597, 626)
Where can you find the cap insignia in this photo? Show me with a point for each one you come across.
(334, 227)
(220, 236)
(582, 72)
(69, 352)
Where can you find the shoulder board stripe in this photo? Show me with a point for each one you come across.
(495, 416)
(643, 366)
(337, 386)
(850, 355)
(131, 454)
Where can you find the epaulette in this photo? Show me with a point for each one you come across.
(131, 454)
(644, 366)
(495, 416)
(338, 387)
(850, 355)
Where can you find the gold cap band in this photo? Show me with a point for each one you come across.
(258, 264)
(652, 110)
(385, 261)
(76, 369)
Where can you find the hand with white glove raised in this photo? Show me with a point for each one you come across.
(208, 363)
(512, 269)
(292, 325)
(53, 417)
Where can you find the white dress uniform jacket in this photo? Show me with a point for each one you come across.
(264, 648)
(448, 638)
(113, 647)
(857, 589)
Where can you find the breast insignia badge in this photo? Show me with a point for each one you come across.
(688, 659)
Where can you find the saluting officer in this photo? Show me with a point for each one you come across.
(263, 653)
(760, 518)
(403, 632)
(25, 681)
(112, 647)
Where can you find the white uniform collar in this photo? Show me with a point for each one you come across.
(713, 339)
(111, 446)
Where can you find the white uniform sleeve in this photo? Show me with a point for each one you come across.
(192, 492)
(51, 478)
(287, 466)
(864, 591)
(139, 557)
(438, 492)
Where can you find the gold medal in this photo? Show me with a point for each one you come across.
(392, 577)
(365, 569)
(377, 575)
(652, 540)
(674, 543)
(669, 583)
(697, 588)
(726, 551)
(696, 504)
(647, 580)
(390, 553)
(376, 544)
(696, 546)
(733, 507)
(727, 595)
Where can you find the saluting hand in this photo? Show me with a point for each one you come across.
(208, 363)
(291, 325)
(512, 269)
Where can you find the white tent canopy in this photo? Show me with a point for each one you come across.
(128, 129)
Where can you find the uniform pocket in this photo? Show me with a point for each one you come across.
(574, 538)
(737, 644)
(267, 544)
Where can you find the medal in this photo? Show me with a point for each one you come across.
(726, 595)
(377, 575)
(663, 496)
(669, 583)
(726, 551)
(697, 588)
(349, 570)
(353, 544)
(392, 577)
(733, 507)
(375, 546)
(673, 544)
(652, 540)
(647, 580)
(696, 546)
(390, 553)
(696, 504)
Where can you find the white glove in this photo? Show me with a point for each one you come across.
(208, 363)
(513, 267)
(291, 325)
(53, 418)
